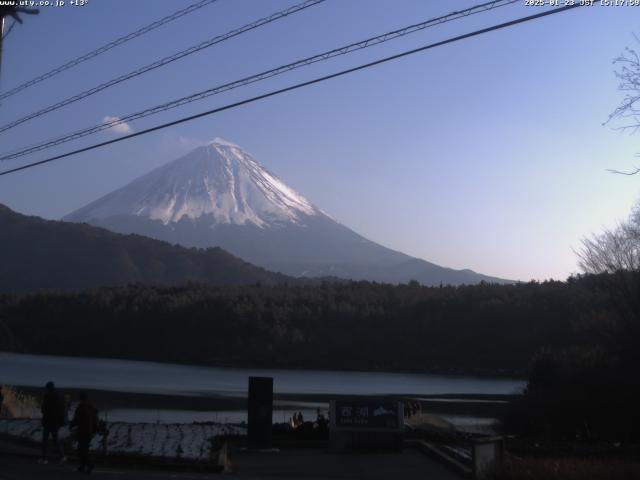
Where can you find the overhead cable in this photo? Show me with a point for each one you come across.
(369, 42)
(105, 48)
(162, 62)
(296, 86)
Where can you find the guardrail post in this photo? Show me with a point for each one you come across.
(486, 458)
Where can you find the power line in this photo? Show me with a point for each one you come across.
(298, 85)
(369, 42)
(165, 61)
(98, 51)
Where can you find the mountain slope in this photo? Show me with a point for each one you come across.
(38, 254)
(219, 181)
(218, 195)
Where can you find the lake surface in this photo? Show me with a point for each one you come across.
(172, 379)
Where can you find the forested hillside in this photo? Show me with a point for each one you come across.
(361, 325)
(37, 254)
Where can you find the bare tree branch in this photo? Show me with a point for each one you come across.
(615, 250)
(629, 78)
(632, 172)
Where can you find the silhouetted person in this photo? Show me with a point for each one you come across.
(1, 400)
(85, 420)
(321, 421)
(52, 419)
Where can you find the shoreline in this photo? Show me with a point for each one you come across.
(501, 374)
(477, 405)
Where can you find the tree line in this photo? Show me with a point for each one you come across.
(483, 329)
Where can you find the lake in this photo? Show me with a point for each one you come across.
(187, 381)
(171, 379)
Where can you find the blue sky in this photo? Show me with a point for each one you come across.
(487, 154)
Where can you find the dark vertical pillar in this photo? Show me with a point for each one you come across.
(1, 38)
(260, 411)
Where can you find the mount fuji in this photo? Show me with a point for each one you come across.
(218, 195)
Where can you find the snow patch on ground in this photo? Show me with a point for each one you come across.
(187, 441)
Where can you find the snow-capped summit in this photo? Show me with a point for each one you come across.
(219, 180)
(218, 195)
(222, 141)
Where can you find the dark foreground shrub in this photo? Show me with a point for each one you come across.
(569, 469)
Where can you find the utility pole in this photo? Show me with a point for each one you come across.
(1, 39)
(13, 12)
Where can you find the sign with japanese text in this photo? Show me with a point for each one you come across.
(366, 415)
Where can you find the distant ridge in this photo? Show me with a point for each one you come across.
(219, 195)
(38, 254)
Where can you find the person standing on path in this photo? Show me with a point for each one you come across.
(85, 420)
(52, 419)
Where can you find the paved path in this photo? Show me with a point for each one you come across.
(20, 449)
(278, 466)
(18, 462)
(319, 465)
(29, 469)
